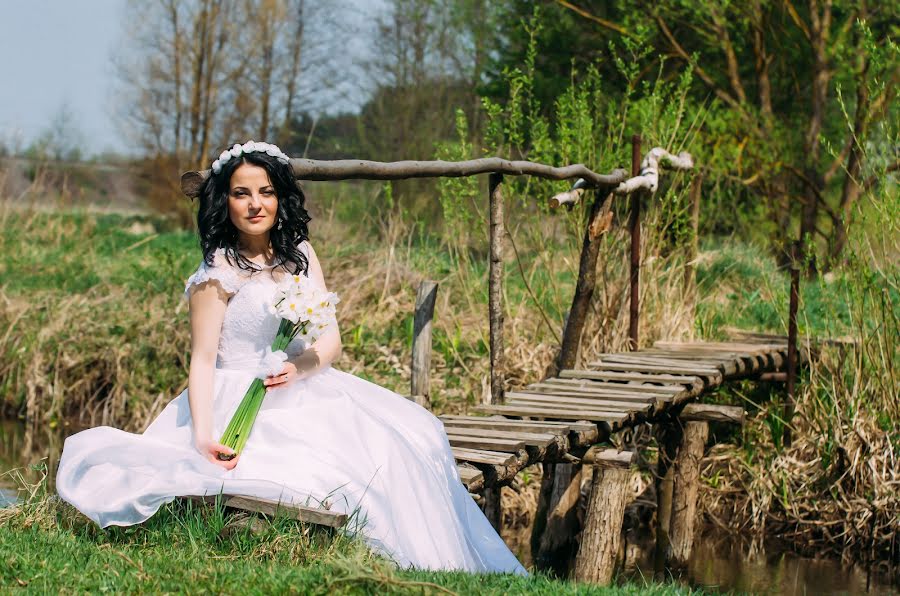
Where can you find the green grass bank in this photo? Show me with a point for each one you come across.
(95, 332)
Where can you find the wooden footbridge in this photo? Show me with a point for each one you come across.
(565, 422)
(556, 419)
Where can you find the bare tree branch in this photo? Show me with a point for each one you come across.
(603, 22)
(355, 169)
(648, 179)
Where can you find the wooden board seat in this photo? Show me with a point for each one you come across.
(319, 516)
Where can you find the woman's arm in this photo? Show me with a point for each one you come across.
(207, 303)
(322, 352)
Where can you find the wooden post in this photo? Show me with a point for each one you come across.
(495, 288)
(792, 343)
(686, 486)
(556, 521)
(602, 536)
(668, 438)
(597, 223)
(634, 226)
(421, 344)
(492, 506)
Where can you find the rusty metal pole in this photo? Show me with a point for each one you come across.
(495, 287)
(634, 226)
(792, 343)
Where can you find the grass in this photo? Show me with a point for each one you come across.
(46, 546)
(96, 333)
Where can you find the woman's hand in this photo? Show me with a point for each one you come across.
(288, 374)
(211, 449)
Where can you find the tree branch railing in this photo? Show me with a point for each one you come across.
(358, 169)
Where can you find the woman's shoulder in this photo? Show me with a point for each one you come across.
(219, 271)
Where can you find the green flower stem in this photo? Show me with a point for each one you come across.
(238, 430)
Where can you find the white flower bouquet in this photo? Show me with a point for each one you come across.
(306, 312)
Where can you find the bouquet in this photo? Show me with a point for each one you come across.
(306, 312)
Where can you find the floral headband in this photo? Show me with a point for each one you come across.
(248, 147)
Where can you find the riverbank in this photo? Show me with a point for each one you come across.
(97, 334)
(45, 546)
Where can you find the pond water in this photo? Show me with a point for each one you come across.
(719, 562)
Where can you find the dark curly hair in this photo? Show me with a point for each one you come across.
(217, 231)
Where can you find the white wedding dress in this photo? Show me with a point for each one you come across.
(332, 437)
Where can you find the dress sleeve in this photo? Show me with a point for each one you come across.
(219, 272)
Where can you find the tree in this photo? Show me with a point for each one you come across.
(199, 74)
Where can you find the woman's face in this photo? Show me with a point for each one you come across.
(252, 203)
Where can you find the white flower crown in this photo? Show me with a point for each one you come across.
(248, 147)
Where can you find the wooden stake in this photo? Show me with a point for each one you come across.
(556, 523)
(792, 344)
(492, 506)
(634, 226)
(421, 348)
(668, 438)
(684, 500)
(602, 536)
(597, 224)
(495, 289)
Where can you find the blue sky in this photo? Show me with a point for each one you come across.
(56, 53)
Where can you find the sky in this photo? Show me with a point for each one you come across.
(57, 54)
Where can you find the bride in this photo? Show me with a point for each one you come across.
(321, 435)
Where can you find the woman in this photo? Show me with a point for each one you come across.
(320, 436)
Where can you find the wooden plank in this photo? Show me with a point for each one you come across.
(697, 371)
(579, 402)
(555, 413)
(500, 423)
(692, 354)
(481, 456)
(628, 398)
(601, 375)
(731, 362)
(725, 366)
(455, 425)
(577, 432)
(608, 457)
(319, 516)
(712, 413)
(660, 360)
(547, 389)
(470, 476)
(750, 348)
(533, 439)
(420, 383)
(633, 387)
(485, 443)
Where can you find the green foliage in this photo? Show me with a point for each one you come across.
(46, 546)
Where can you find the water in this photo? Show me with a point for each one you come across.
(719, 563)
(724, 563)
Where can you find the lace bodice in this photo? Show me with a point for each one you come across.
(248, 328)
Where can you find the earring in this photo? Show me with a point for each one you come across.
(279, 223)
